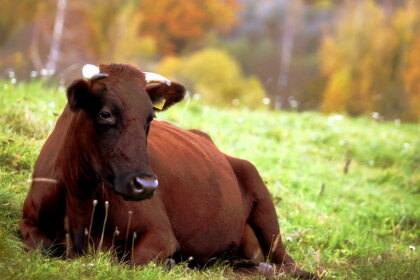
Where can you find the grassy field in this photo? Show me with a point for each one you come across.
(347, 191)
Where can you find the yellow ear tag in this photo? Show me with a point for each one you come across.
(159, 104)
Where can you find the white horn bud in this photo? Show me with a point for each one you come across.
(156, 78)
(92, 72)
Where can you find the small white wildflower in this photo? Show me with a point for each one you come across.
(332, 119)
(266, 100)
(51, 105)
(34, 74)
(240, 120)
(13, 81)
(236, 102)
(376, 115)
(11, 74)
(412, 248)
(289, 239)
(91, 265)
(293, 102)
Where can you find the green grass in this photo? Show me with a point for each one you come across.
(357, 225)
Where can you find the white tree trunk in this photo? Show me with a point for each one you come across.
(56, 37)
(286, 51)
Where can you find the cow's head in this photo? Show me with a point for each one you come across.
(114, 108)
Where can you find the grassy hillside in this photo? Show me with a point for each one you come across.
(356, 223)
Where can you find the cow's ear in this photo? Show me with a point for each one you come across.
(80, 95)
(164, 96)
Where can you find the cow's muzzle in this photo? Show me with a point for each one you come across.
(137, 187)
(144, 187)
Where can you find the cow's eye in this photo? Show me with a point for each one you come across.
(105, 115)
(106, 118)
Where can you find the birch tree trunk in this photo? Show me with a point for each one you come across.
(54, 53)
(286, 51)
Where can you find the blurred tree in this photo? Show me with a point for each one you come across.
(277, 41)
(350, 59)
(124, 42)
(407, 22)
(412, 80)
(54, 54)
(175, 24)
(13, 14)
(217, 77)
(365, 57)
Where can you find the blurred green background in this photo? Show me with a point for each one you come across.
(355, 57)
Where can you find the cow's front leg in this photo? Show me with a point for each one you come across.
(42, 220)
(154, 245)
(34, 238)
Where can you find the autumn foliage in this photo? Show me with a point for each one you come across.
(216, 78)
(356, 57)
(371, 59)
(176, 23)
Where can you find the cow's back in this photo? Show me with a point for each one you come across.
(198, 186)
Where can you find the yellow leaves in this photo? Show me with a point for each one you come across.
(366, 63)
(329, 55)
(337, 92)
(130, 46)
(216, 76)
(412, 79)
(405, 19)
(169, 67)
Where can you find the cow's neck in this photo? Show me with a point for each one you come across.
(82, 187)
(80, 176)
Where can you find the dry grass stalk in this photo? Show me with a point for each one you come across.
(130, 213)
(132, 246)
(103, 226)
(116, 233)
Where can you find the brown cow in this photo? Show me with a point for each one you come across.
(207, 205)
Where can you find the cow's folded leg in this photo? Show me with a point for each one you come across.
(154, 246)
(35, 239)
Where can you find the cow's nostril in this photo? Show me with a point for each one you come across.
(142, 188)
(137, 184)
(149, 185)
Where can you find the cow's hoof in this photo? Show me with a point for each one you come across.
(266, 270)
(169, 263)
